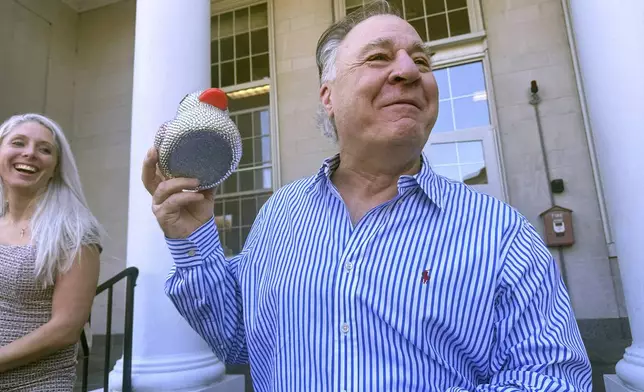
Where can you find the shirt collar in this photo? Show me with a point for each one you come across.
(426, 179)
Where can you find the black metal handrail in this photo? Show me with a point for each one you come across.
(131, 274)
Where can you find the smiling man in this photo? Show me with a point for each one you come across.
(375, 274)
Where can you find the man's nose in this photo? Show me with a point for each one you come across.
(404, 70)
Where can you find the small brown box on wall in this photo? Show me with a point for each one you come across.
(557, 223)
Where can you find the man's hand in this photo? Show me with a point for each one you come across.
(179, 212)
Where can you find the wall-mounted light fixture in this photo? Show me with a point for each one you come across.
(249, 92)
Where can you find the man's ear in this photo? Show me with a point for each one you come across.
(325, 98)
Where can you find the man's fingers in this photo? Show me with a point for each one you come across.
(149, 176)
(175, 202)
(209, 193)
(168, 188)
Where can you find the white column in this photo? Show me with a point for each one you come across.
(171, 59)
(611, 56)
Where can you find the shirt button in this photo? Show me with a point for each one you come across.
(348, 266)
(345, 328)
(191, 252)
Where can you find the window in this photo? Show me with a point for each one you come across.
(462, 98)
(463, 144)
(239, 47)
(240, 66)
(460, 161)
(433, 19)
(462, 105)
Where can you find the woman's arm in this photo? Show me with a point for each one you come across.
(71, 305)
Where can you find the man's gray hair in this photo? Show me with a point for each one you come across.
(327, 50)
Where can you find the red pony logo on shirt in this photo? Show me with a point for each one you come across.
(425, 278)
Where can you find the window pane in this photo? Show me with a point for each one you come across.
(350, 10)
(443, 154)
(470, 113)
(454, 4)
(353, 3)
(227, 48)
(262, 150)
(243, 71)
(258, 16)
(241, 20)
(261, 125)
(242, 45)
(245, 231)
(246, 179)
(248, 211)
(259, 41)
(261, 200)
(214, 27)
(437, 26)
(397, 5)
(247, 153)
(233, 241)
(231, 207)
(470, 152)
(467, 79)
(219, 208)
(263, 179)
(260, 67)
(226, 24)
(214, 76)
(444, 123)
(414, 9)
(459, 23)
(230, 185)
(227, 74)
(214, 51)
(245, 124)
(434, 6)
(448, 171)
(443, 86)
(419, 25)
(474, 174)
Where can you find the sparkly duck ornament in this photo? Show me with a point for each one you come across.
(201, 141)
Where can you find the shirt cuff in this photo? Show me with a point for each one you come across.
(192, 250)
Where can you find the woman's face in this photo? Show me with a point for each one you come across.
(28, 158)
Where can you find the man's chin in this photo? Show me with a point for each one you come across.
(405, 129)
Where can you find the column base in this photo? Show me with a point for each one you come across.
(615, 384)
(177, 373)
(230, 383)
(630, 368)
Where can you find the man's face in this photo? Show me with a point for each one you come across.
(384, 92)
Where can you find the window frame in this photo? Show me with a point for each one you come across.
(473, 8)
(473, 48)
(223, 6)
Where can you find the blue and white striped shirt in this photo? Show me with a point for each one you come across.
(440, 289)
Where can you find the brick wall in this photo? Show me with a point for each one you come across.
(527, 41)
(101, 136)
(298, 25)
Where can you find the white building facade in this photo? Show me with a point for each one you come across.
(111, 71)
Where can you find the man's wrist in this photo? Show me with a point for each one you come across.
(196, 247)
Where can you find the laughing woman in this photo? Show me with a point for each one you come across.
(49, 257)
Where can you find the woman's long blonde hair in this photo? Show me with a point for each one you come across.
(62, 222)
